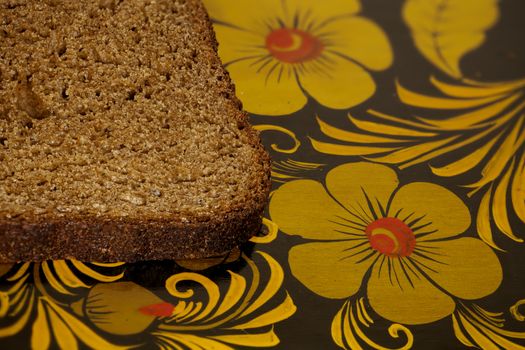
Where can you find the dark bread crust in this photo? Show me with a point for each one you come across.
(108, 239)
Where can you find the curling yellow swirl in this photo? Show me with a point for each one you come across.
(275, 147)
(211, 288)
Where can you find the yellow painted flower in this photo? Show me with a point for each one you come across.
(400, 244)
(278, 52)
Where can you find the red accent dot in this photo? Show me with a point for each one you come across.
(391, 236)
(293, 45)
(159, 310)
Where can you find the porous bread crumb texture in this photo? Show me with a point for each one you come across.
(120, 109)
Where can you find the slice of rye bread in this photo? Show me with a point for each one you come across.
(121, 138)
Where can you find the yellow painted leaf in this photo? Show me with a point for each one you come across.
(361, 312)
(63, 335)
(28, 293)
(503, 342)
(337, 326)
(347, 331)
(94, 274)
(518, 189)
(51, 279)
(233, 295)
(474, 118)
(196, 307)
(187, 309)
(443, 150)
(260, 340)
(270, 236)
(466, 163)
(274, 283)
(349, 136)
(170, 343)
(40, 335)
(445, 30)
(282, 176)
(283, 166)
(286, 309)
(305, 165)
(497, 334)
(20, 302)
(402, 121)
(4, 304)
(19, 298)
(386, 129)
(493, 316)
(478, 337)
(67, 276)
(501, 157)
(483, 220)
(20, 272)
(193, 342)
(499, 206)
(82, 331)
(20, 323)
(459, 333)
(490, 83)
(465, 91)
(409, 153)
(287, 170)
(431, 102)
(347, 150)
(115, 264)
(358, 331)
(362, 307)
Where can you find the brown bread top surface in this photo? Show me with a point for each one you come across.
(120, 109)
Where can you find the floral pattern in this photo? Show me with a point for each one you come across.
(127, 309)
(407, 239)
(279, 53)
(218, 317)
(395, 220)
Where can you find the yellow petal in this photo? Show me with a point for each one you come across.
(348, 184)
(303, 207)
(236, 44)
(272, 90)
(251, 15)
(464, 267)
(359, 39)
(319, 11)
(440, 210)
(400, 295)
(336, 82)
(445, 31)
(329, 269)
(262, 340)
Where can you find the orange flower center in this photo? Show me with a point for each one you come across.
(293, 45)
(158, 310)
(391, 236)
